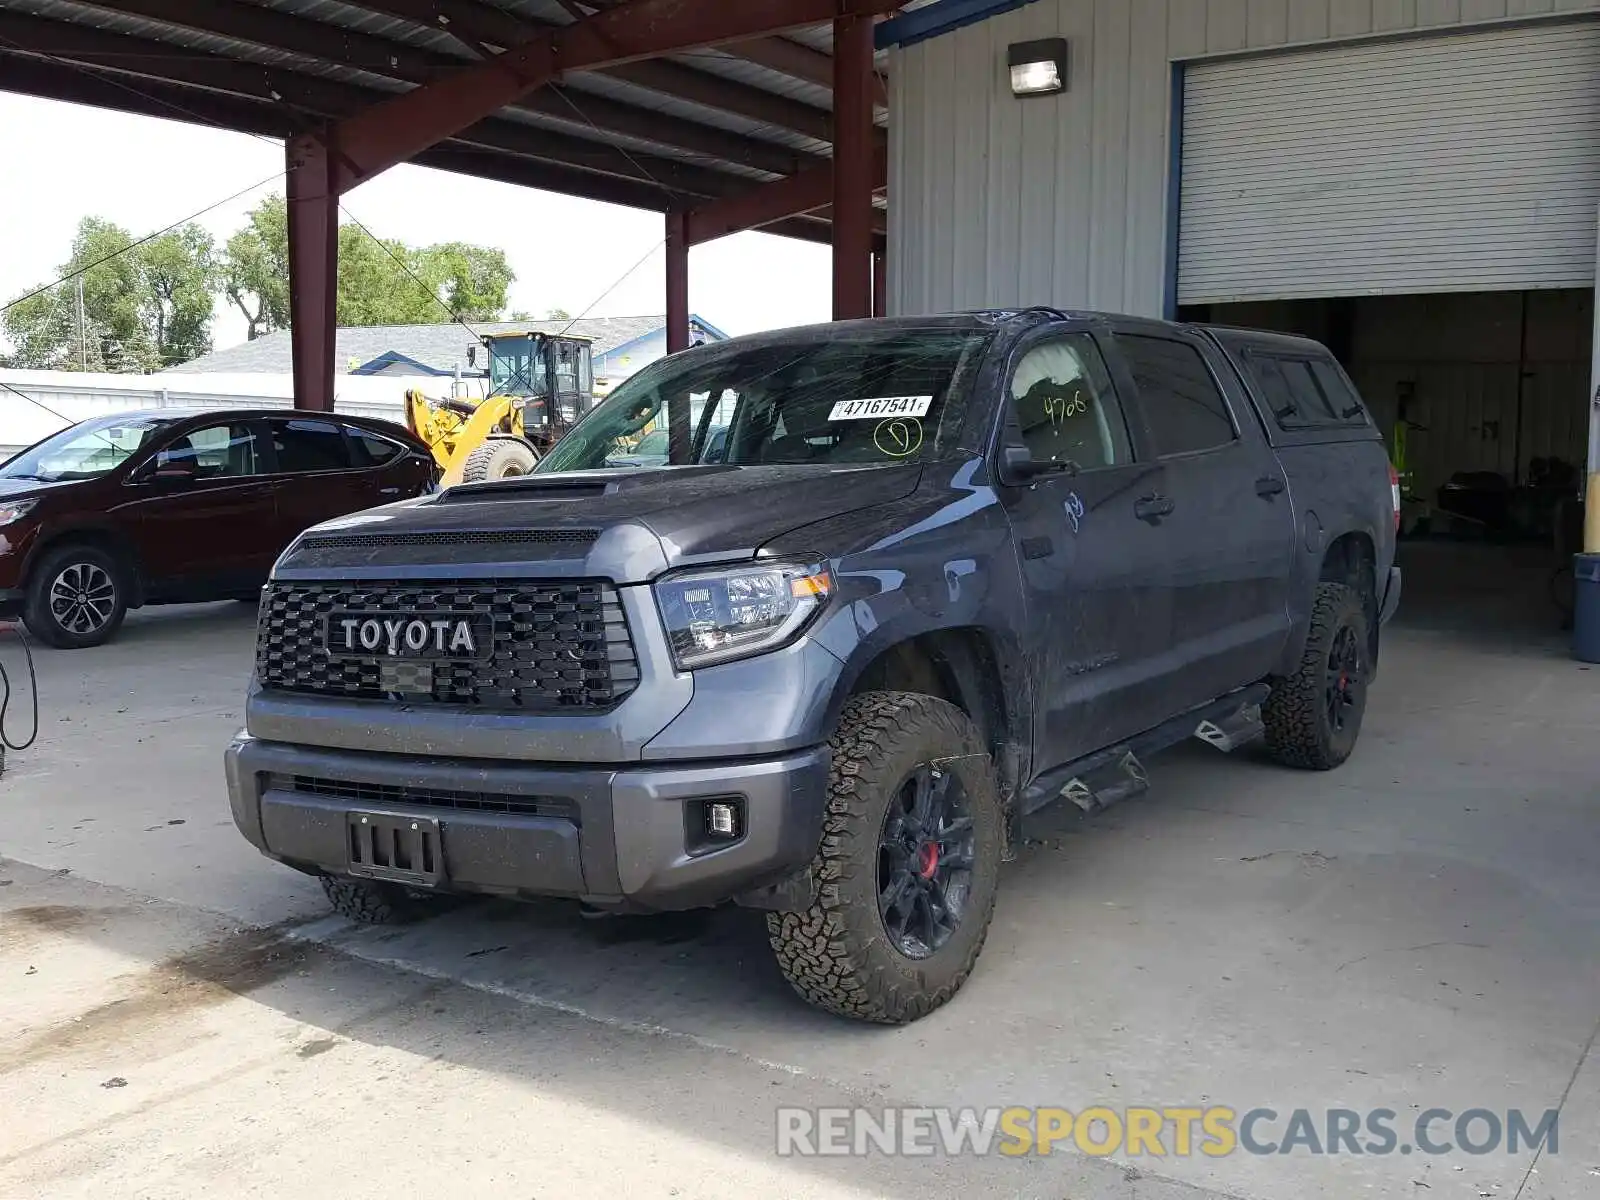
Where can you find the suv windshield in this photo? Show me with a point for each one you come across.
(878, 397)
(84, 451)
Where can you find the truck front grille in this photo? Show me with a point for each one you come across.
(561, 645)
(383, 795)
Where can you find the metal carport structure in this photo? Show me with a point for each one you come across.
(723, 116)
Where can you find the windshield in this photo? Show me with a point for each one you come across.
(896, 395)
(84, 451)
(516, 367)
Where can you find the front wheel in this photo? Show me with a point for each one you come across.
(77, 597)
(1313, 717)
(500, 458)
(906, 876)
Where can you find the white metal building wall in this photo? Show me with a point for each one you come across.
(1445, 164)
(997, 201)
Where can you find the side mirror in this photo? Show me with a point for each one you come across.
(1017, 465)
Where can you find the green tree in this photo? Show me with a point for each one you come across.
(178, 270)
(254, 273)
(471, 280)
(46, 329)
(558, 314)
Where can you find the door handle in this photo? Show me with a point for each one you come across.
(1268, 486)
(389, 491)
(1152, 508)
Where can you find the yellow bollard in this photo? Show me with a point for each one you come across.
(1591, 516)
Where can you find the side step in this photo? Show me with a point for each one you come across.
(1099, 780)
(1098, 789)
(1230, 732)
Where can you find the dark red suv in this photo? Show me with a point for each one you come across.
(166, 507)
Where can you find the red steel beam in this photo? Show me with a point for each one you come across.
(313, 268)
(798, 62)
(852, 168)
(677, 281)
(276, 30)
(316, 99)
(805, 192)
(392, 132)
(480, 27)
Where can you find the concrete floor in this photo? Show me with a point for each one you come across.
(1419, 929)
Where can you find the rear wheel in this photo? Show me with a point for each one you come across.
(372, 902)
(906, 876)
(499, 458)
(77, 597)
(1313, 717)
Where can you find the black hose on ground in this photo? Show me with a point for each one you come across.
(6, 740)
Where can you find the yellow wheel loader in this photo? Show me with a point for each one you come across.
(540, 385)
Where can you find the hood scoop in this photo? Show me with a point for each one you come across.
(578, 485)
(420, 547)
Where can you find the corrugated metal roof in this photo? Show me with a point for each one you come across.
(701, 115)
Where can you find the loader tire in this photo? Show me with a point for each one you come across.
(499, 458)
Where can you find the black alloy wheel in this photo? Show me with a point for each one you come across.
(925, 857)
(1344, 679)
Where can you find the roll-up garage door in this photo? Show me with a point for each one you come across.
(1468, 162)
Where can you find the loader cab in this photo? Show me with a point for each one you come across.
(552, 375)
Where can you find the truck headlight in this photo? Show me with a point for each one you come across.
(715, 616)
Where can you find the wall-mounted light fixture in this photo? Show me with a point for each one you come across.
(1038, 68)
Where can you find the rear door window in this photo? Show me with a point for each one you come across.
(375, 449)
(305, 445)
(1182, 403)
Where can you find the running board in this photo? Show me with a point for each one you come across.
(1229, 733)
(1099, 789)
(1117, 773)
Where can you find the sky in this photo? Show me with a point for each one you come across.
(144, 174)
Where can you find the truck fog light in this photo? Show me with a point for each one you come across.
(722, 820)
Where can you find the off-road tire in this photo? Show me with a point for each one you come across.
(371, 901)
(36, 614)
(836, 953)
(1299, 733)
(499, 458)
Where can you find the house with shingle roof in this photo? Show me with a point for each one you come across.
(622, 345)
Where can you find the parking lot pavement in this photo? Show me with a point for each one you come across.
(1418, 930)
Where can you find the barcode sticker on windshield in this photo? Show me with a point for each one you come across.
(882, 406)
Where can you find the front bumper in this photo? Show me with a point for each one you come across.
(617, 838)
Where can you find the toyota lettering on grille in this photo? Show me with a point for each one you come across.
(384, 635)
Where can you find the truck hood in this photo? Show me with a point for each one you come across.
(635, 522)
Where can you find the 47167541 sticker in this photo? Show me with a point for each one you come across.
(881, 406)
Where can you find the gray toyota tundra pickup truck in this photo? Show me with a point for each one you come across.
(898, 585)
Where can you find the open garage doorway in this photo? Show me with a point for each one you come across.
(1482, 400)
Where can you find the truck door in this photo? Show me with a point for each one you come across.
(1098, 613)
(1227, 525)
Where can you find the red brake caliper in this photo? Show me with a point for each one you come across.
(928, 860)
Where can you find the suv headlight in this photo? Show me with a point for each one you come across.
(715, 616)
(15, 510)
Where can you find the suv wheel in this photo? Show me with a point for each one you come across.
(77, 597)
(1313, 717)
(906, 876)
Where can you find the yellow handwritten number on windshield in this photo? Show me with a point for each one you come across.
(898, 437)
